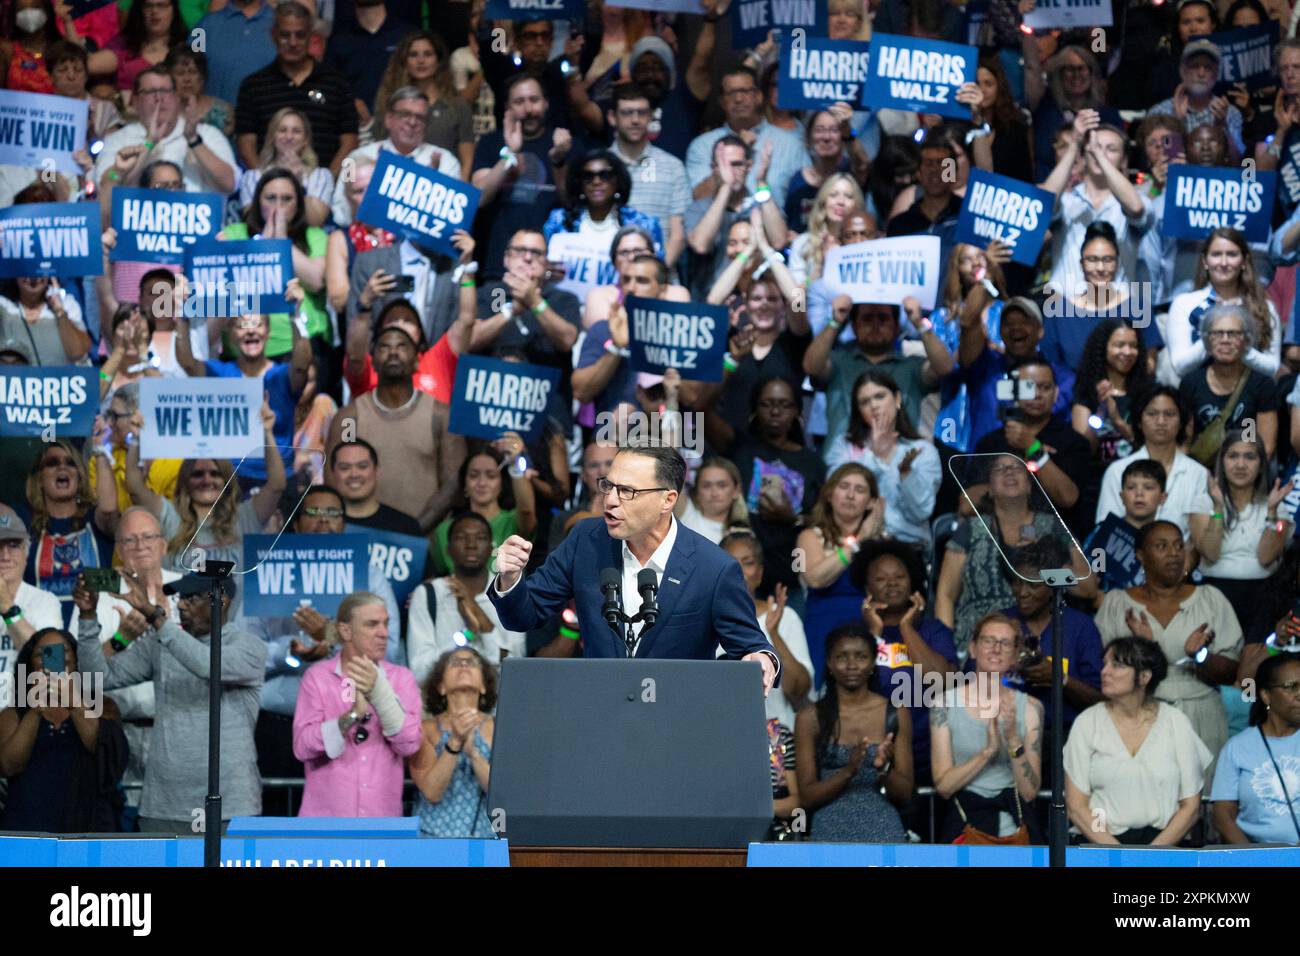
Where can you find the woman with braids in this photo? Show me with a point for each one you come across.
(849, 744)
(595, 192)
(1112, 376)
(985, 741)
(72, 523)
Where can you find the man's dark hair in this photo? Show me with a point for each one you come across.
(1139, 406)
(292, 10)
(670, 466)
(62, 52)
(466, 515)
(740, 71)
(1048, 552)
(731, 139)
(397, 329)
(661, 270)
(147, 174)
(322, 490)
(155, 70)
(381, 322)
(521, 78)
(358, 442)
(627, 91)
(938, 137)
(1041, 360)
(156, 275)
(1147, 530)
(1141, 655)
(1146, 468)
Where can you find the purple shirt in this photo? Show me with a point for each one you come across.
(362, 779)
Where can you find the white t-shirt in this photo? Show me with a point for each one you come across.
(41, 609)
(1186, 490)
(426, 154)
(1238, 559)
(427, 640)
(173, 148)
(693, 519)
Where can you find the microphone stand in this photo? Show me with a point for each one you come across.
(648, 614)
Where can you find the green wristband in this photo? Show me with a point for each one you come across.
(541, 307)
(568, 632)
(1217, 516)
(843, 557)
(1033, 449)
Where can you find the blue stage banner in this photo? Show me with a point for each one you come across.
(400, 556)
(156, 225)
(303, 570)
(44, 400)
(688, 336)
(999, 207)
(1201, 198)
(752, 19)
(492, 397)
(417, 203)
(918, 76)
(815, 73)
(50, 239)
(1247, 56)
(36, 128)
(535, 10)
(240, 277)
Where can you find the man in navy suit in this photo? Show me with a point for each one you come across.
(702, 598)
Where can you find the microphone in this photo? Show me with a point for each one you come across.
(648, 585)
(611, 586)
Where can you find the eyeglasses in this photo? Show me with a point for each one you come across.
(536, 36)
(777, 405)
(1100, 260)
(1225, 334)
(323, 512)
(604, 173)
(137, 540)
(526, 252)
(605, 486)
(409, 116)
(743, 91)
(156, 91)
(463, 662)
(632, 253)
(1001, 644)
(999, 470)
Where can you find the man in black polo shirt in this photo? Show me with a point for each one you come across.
(294, 79)
(1060, 457)
(517, 168)
(937, 207)
(357, 48)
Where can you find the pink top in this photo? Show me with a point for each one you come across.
(363, 779)
(129, 65)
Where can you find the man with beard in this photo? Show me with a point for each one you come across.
(283, 382)
(409, 430)
(531, 56)
(454, 611)
(518, 169)
(1194, 100)
(177, 659)
(675, 106)
(293, 643)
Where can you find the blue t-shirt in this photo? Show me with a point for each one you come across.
(911, 693)
(1064, 336)
(1247, 775)
(1081, 644)
(620, 388)
(981, 381)
(1117, 540)
(279, 392)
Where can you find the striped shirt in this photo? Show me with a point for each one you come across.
(324, 97)
(659, 187)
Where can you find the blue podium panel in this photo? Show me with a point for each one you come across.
(120, 851)
(322, 853)
(344, 828)
(26, 851)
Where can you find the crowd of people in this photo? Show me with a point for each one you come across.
(892, 480)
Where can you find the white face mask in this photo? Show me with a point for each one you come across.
(30, 20)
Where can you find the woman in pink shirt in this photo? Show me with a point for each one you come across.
(152, 28)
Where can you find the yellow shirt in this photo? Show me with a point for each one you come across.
(161, 477)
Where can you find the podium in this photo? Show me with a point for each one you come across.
(630, 762)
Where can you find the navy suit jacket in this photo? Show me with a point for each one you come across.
(703, 601)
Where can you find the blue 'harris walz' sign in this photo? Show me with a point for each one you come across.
(1201, 198)
(918, 76)
(492, 397)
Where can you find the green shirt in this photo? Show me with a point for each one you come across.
(848, 364)
(503, 525)
(313, 306)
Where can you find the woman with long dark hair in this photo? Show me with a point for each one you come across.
(509, 507)
(152, 29)
(279, 211)
(1256, 790)
(63, 757)
(452, 766)
(849, 745)
(421, 60)
(1007, 149)
(882, 439)
(1112, 375)
(596, 192)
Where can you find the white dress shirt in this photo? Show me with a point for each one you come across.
(631, 567)
(426, 154)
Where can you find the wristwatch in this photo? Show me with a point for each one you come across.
(1018, 752)
(194, 143)
(12, 615)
